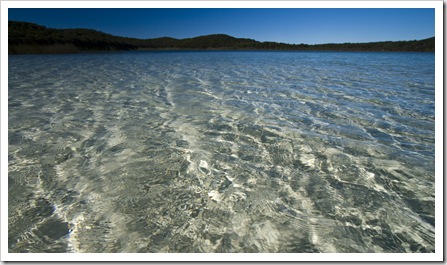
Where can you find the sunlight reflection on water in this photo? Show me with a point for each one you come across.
(221, 152)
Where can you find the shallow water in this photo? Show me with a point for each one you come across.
(221, 152)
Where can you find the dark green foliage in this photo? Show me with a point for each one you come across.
(24, 37)
(30, 34)
(426, 45)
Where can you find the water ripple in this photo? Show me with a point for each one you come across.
(221, 152)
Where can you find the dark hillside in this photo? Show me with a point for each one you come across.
(217, 41)
(24, 37)
(32, 36)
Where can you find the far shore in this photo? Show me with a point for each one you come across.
(30, 38)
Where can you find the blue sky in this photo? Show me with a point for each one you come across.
(289, 25)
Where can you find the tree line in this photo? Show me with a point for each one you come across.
(25, 37)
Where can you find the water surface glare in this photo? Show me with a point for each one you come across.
(221, 152)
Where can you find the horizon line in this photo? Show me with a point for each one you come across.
(327, 43)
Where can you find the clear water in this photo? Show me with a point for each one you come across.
(221, 152)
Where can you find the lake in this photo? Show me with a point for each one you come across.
(222, 151)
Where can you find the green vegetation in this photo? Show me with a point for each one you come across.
(24, 37)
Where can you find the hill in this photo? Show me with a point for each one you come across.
(24, 37)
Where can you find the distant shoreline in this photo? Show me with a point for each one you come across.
(30, 38)
(48, 51)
